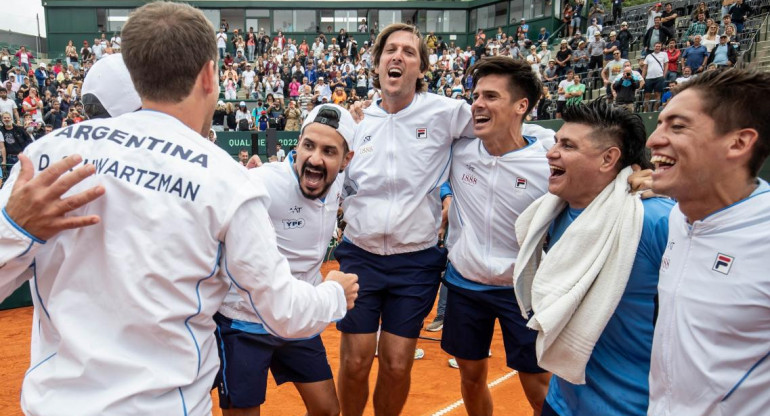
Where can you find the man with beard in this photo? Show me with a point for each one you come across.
(145, 282)
(392, 209)
(304, 195)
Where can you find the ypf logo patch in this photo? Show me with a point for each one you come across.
(521, 183)
(293, 224)
(723, 263)
(422, 133)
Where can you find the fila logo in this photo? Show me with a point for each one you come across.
(366, 139)
(422, 133)
(521, 183)
(295, 209)
(723, 263)
(293, 224)
(470, 167)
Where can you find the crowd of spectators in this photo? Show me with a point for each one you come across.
(673, 48)
(282, 78)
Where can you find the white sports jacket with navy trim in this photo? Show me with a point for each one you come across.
(712, 337)
(125, 306)
(392, 202)
(490, 192)
(304, 227)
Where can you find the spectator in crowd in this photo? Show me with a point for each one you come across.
(695, 56)
(544, 104)
(654, 11)
(230, 121)
(625, 38)
(668, 17)
(727, 22)
(534, 61)
(25, 58)
(596, 12)
(8, 105)
(41, 74)
(71, 55)
(543, 35)
(624, 90)
(577, 16)
(566, 19)
(593, 28)
(654, 74)
(243, 157)
(576, 39)
(580, 59)
(222, 42)
(551, 72)
(697, 28)
(711, 38)
(738, 13)
(292, 116)
(279, 152)
(15, 139)
(596, 52)
(33, 105)
(574, 93)
(673, 60)
(686, 76)
(723, 54)
(545, 54)
(54, 116)
(243, 120)
(613, 44)
(700, 8)
(218, 123)
(563, 56)
(561, 101)
(617, 9)
(656, 33)
(611, 72)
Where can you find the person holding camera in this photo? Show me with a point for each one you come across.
(624, 89)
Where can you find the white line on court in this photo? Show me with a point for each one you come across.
(459, 403)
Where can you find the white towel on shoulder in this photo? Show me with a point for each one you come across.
(574, 290)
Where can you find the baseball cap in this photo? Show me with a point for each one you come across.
(624, 24)
(658, 4)
(41, 65)
(563, 41)
(335, 117)
(613, 33)
(109, 81)
(242, 104)
(220, 102)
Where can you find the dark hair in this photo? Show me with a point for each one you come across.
(522, 82)
(382, 39)
(176, 24)
(615, 125)
(736, 99)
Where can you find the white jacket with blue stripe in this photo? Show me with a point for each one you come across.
(125, 307)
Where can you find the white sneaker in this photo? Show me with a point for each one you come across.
(419, 353)
(453, 363)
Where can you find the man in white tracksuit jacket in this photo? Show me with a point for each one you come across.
(494, 178)
(125, 306)
(305, 194)
(712, 337)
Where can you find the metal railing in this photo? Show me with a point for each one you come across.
(748, 56)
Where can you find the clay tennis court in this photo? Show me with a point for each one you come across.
(435, 386)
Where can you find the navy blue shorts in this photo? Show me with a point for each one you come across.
(399, 289)
(245, 357)
(469, 323)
